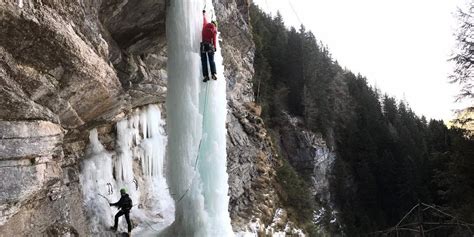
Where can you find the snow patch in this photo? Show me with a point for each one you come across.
(280, 227)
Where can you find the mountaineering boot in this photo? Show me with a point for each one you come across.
(205, 79)
(214, 77)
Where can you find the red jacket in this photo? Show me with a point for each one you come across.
(209, 32)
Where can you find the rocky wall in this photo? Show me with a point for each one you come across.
(69, 66)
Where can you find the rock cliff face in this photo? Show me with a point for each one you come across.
(67, 67)
(251, 157)
(313, 159)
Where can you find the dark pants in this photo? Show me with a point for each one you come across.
(207, 52)
(127, 217)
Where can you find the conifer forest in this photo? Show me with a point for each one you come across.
(389, 159)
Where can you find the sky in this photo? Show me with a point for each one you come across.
(401, 46)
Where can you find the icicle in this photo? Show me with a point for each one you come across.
(95, 179)
(201, 197)
(141, 140)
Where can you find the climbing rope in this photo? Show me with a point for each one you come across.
(203, 113)
(203, 122)
(148, 224)
(266, 3)
(294, 12)
(104, 197)
(200, 142)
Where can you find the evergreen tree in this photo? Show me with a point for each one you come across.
(388, 158)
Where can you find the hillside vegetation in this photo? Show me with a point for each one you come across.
(388, 158)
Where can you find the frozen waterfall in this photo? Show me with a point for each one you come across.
(136, 164)
(195, 148)
(196, 124)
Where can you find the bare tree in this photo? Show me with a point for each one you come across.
(463, 58)
(464, 53)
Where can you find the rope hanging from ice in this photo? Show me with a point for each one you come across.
(191, 121)
(199, 149)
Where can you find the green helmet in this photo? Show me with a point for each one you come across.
(214, 22)
(123, 190)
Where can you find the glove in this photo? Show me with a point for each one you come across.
(203, 11)
(110, 204)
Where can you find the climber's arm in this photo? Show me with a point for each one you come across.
(214, 40)
(204, 20)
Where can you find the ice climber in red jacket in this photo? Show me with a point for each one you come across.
(208, 47)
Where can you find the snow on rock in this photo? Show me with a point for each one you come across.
(280, 227)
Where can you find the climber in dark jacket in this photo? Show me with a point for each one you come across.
(208, 47)
(124, 204)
